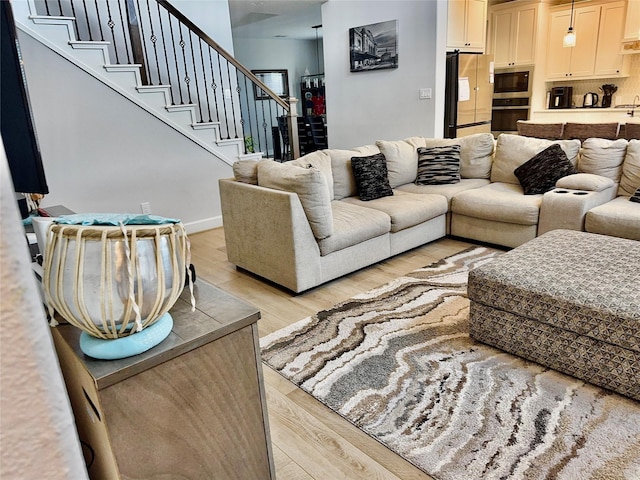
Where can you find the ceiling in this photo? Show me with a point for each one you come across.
(293, 19)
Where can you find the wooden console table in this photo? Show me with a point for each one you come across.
(192, 407)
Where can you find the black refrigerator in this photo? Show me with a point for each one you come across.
(468, 94)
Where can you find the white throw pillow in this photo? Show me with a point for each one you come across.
(246, 171)
(630, 179)
(476, 153)
(603, 157)
(310, 186)
(514, 150)
(402, 159)
(322, 161)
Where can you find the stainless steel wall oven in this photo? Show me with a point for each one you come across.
(511, 99)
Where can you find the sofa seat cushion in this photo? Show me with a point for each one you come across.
(406, 209)
(500, 202)
(446, 190)
(353, 224)
(619, 218)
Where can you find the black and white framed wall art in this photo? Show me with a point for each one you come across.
(374, 46)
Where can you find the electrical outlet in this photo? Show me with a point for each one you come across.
(425, 93)
(145, 207)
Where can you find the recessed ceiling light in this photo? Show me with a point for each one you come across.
(281, 36)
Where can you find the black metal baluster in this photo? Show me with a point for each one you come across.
(244, 133)
(46, 7)
(187, 79)
(134, 36)
(153, 40)
(166, 57)
(143, 41)
(204, 76)
(195, 75)
(111, 24)
(233, 108)
(224, 100)
(75, 20)
(214, 85)
(86, 16)
(99, 22)
(175, 58)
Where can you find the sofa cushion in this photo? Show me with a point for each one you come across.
(540, 173)
(344, 183)
(321, 160)
(585, 181)
(446, 190)
(246, 171)
(514, 150)
(406, 209)
(619, 218)
(438, 165)
(402, 159)
(476, 153)
(353, 224)
(603, 157)
(500, 202)
(310, 186)
(371, 176)
(630, 178)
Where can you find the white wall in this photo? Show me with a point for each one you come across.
(212, 16)
(295, 56)
(102, 153)
(375, 105)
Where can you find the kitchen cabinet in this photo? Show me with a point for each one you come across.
(609, 60)
(632, 22)
(564, 63)
(513, 34)
(467, 25)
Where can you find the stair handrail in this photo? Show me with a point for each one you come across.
(216, 46)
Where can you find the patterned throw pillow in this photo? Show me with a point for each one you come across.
(438, 165)
(372, 179)
(540, 173)
(636, 196)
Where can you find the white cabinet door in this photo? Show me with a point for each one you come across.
(525, 35)
(632, 23)
(467, 25)
(513, 35)
(609, 60)
(500, 38)
(578, 61)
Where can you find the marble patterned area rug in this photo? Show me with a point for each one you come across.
(398, 363)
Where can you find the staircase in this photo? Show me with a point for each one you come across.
(149, 53)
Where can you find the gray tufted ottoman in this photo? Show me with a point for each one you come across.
(567, 300)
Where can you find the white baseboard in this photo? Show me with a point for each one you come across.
(204, 224)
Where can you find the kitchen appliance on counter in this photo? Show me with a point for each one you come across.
(560, 97)
(511, 99)
(608, 90)
(468, 92)
(590, 100)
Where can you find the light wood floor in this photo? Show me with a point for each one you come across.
(309, 440)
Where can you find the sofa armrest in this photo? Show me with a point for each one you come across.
(267, 232)
(566, 208)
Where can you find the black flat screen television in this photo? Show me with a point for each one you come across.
(16, 122)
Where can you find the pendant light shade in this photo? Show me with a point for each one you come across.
(569, 39)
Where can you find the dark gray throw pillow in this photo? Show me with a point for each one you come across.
(636, 196)
(540, 173)
(372, 177)
(438, 165)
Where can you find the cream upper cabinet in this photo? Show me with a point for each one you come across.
(609, 60)
(571, 62)
(512, 35)
(597, 54)
(632, 24)
(467, 23)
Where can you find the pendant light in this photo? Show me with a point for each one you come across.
(569, 39)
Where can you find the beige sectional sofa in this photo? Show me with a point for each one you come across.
(303, 223)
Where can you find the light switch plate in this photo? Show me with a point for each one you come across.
(425, 93)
